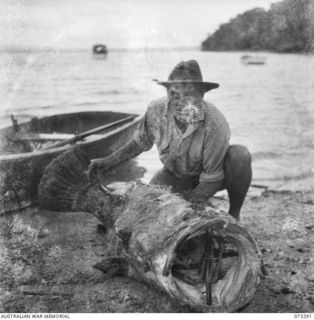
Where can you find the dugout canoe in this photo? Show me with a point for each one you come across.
(27, 148)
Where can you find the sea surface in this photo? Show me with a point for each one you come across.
(270, 108)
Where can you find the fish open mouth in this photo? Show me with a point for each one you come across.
(215, 265)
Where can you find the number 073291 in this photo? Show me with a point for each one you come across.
(302, 316)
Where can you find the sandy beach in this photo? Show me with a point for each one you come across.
(47, 260)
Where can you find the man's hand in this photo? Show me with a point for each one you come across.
(203, 191)
(95, 166)
(208, 189)
(194, 197)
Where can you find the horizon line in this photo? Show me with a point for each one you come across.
(15, 49)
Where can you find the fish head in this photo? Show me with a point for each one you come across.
(199, 255)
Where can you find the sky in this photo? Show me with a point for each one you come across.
(116, 23)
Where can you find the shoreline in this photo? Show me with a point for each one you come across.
(280, 187)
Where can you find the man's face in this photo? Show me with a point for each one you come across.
(186, 100)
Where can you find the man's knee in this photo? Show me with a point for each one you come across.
(238, 155)
(237, 166)
(238, 176)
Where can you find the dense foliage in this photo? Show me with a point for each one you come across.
(288, 26)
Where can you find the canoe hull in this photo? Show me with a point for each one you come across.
(20, 173)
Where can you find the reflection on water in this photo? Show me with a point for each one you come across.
(270, 108)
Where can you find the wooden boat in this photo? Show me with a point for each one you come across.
(100, 51)
(27, 148)
(247, 59)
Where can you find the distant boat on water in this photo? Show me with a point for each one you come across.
(100, 50)
(248, 59)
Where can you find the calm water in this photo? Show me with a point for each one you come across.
(270, 108)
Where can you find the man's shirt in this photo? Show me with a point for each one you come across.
(199, 151)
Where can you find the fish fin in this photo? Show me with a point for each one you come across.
(113, 266)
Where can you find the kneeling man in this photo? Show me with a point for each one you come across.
(192, 138)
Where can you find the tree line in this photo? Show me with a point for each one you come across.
(288, 26)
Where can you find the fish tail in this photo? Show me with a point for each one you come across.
(65, 187)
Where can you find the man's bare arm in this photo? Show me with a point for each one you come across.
(127, 152)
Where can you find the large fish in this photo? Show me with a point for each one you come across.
(199, 255)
